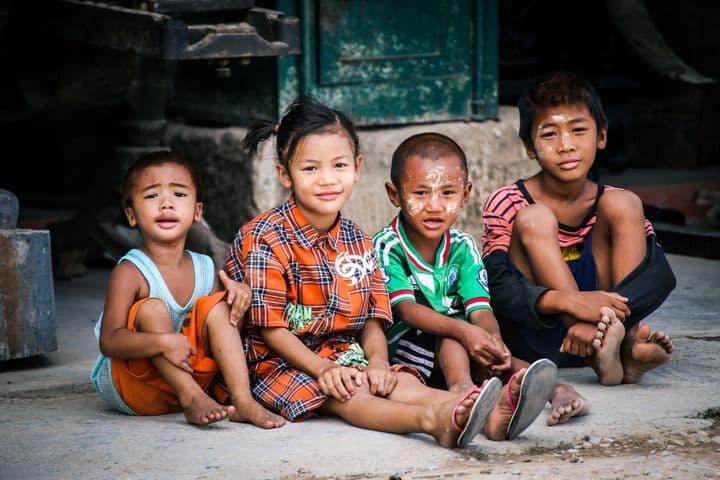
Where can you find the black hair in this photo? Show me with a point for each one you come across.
(557, 88)
(304, 116)
(151, 160)
(431, 145)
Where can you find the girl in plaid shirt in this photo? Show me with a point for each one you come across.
(315, 333)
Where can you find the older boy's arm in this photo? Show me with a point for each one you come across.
(516, 300)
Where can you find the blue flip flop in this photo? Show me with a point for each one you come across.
(537, 384)
(488, 395)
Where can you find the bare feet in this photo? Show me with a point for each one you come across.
(440, 424)
(566, 403)
(250, 411)
(201, 410)
(501, 414)
(645, 352)
(606, 361)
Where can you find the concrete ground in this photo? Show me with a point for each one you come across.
(53, 426)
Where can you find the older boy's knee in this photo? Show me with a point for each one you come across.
(619, 205)
(535, 220)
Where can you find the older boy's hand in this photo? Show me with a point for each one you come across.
(482, 347)
(580, 338)
(238, 297)
(381, 380)
(586, 305)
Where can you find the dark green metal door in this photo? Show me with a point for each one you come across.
(395, 62)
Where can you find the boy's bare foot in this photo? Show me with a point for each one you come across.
(647, 351)
(606, 360)
(440, 420)
(250, 411)
(501, 414)
(566, 403)
(201, 410)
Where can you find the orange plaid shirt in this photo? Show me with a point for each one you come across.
(321, 287)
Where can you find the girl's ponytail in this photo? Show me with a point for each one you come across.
(258, 132)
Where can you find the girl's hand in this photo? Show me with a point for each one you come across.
(177, 350)
(381, 380)
(340, 382)
(238, 297)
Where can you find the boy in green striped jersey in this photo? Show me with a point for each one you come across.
(443, 322)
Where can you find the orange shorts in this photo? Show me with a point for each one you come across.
(141, 386)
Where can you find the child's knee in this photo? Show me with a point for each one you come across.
(220, 312)
(153, 316)
(618, 205)
(535, 219)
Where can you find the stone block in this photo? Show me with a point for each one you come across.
(27, 299)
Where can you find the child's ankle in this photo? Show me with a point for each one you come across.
(460, 386)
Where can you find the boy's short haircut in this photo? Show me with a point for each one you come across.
(431, 145)
(152, 160)
(557, 88)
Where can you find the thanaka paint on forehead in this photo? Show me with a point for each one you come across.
(436, 179)
(561, 120)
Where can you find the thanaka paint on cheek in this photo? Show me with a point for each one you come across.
(413, 207)
(562, 121)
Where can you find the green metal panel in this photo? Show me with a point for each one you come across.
(395, 62)
(485, 68)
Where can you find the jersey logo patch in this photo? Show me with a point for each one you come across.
(452, 278)
(355, 267)
(482, 278)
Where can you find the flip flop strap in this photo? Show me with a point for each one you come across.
(513, 407)
(475, 389)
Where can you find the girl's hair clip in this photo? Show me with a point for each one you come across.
(276, 129)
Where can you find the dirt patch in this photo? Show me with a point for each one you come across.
(683, 455)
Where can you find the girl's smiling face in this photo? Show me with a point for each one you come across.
(321, 174)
